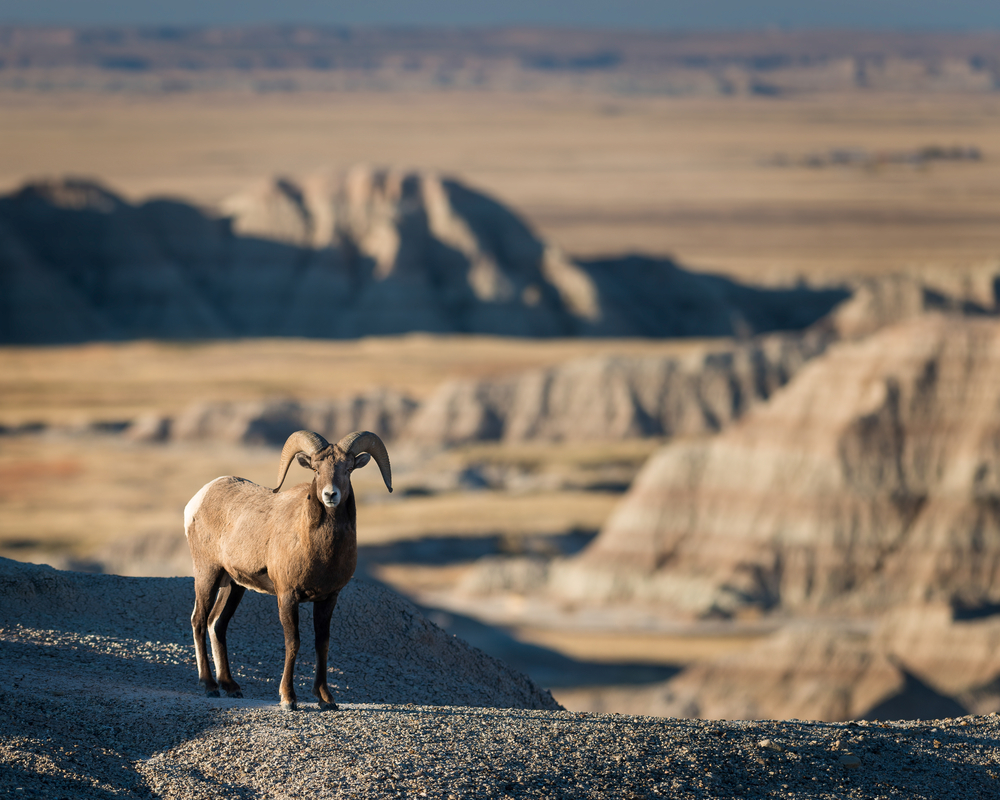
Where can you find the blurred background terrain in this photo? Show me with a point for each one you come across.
(684, 344)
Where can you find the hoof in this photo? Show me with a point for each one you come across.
(287, 705)
(211, 693)
(234, 693)
(331, 706)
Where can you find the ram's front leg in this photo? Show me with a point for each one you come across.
(322, 613)
(288, 612)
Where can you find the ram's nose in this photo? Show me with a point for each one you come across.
(331, 497)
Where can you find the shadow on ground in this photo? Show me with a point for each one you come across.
(439, 551)
(545, 666)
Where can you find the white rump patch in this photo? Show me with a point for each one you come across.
(195, 503)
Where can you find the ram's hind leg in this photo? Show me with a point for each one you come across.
(322, 613)
(206, 583)
(288, 612)
(228, 599)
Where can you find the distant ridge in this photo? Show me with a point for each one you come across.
(372, 252)
(292, 58)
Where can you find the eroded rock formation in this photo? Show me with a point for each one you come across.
(870, 481)
(270, 422)
(369, 252)
(586, 399)
(613, 397)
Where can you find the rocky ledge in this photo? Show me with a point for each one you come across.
(100, 701)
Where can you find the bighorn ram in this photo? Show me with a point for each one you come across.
(300, 545)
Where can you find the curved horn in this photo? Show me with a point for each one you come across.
(299, 442)
(368, 442)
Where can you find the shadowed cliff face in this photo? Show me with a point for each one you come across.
(869, 481)
(369, 253)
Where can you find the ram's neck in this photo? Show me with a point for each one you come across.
(344, 517)
(331, 526)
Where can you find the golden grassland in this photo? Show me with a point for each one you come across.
(634, 647)
(595, 174)
(108, 381)
(73, 495)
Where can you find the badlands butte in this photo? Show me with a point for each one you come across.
(820, 496)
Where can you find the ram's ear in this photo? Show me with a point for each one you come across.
(361, 459)
(304, 461)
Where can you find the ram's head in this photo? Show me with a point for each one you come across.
(334, 463)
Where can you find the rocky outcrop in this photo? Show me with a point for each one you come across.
(370, 252)
(602, 398)
(269, 422)
(445, 258)
(871, 481)
(418, 253)
(888, 299)
(613, 397)
(609, 397)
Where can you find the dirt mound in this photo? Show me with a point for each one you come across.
(383, 649)
(369, 252)
(872, 480)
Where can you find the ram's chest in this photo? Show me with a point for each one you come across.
(321, 565)
(323, 579)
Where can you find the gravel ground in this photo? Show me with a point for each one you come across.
(94, 709)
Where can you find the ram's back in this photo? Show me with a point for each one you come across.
(231, 523)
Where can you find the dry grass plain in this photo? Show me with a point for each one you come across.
(74, 498)
(108, 381)
(597, 175)
(110, 489)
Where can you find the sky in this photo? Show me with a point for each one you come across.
(629, 14)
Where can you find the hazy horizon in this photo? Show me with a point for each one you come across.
(959, 15)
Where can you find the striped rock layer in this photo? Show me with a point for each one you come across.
(872, 479)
